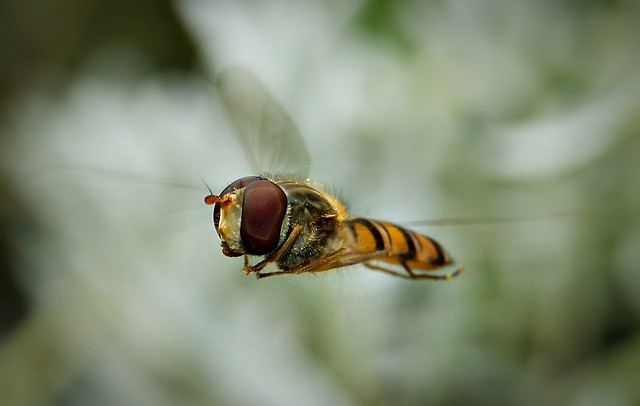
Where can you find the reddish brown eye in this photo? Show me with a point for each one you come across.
(238, 184)
(263, 210)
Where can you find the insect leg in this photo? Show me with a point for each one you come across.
(314, 266)
(274, 256)
(342, 257)
(411, 275)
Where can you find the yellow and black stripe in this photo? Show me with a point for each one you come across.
(397, 245)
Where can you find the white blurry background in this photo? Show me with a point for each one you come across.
(412, 111)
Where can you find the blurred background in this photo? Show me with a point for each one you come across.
(113, 286)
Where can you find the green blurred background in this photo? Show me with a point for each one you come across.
(113, 286)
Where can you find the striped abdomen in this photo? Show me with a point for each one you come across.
(396, 245)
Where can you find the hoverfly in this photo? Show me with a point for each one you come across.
(289, 220)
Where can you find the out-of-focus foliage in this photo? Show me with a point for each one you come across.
(115, 290)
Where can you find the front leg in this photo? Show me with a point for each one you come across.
(274, 256)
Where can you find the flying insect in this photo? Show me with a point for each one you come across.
(293, 222)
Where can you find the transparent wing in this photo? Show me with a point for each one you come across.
(269, 136)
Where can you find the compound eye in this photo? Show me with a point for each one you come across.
(238, 184)
(263, 209)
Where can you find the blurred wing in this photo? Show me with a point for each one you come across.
(269, 136)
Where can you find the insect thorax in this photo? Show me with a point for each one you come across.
(317, 215)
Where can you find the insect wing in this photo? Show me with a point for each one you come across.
(269, 136)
